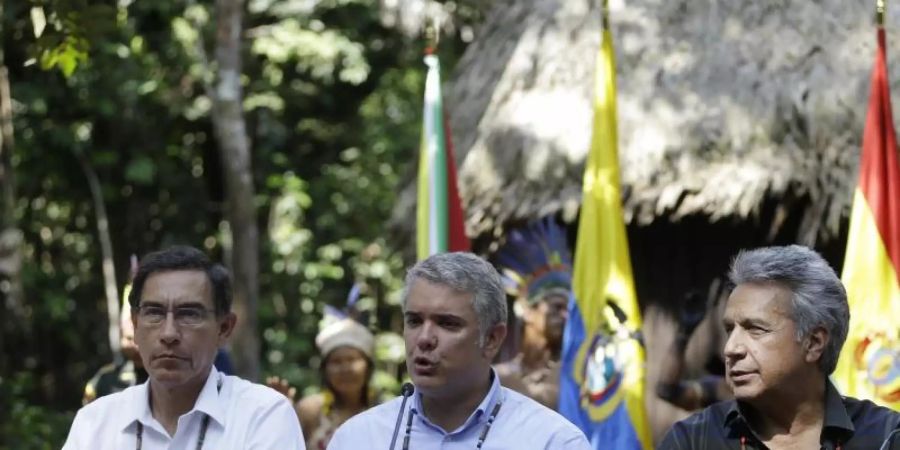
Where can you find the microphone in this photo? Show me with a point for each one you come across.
(406, 390)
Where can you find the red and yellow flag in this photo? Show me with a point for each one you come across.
(869, 366)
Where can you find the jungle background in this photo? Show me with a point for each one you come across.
(282, 137)
(109, 150)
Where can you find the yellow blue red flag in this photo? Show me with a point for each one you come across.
(602, 379)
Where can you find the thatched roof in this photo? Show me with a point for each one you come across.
(722, 106)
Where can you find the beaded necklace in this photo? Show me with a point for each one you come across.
(481, 438)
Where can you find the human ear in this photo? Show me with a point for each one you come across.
(226, 327)
(494, 340)
(814, 344)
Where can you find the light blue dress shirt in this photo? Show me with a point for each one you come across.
(520, 424)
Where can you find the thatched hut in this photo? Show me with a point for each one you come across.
(739, 125)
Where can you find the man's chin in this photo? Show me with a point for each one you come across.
(169, 377)
(746, 393)
(428, 385)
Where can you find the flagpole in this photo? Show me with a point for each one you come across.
(432, 35)
(879, 12)
(604, 14)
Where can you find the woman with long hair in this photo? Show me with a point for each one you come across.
(346, 348)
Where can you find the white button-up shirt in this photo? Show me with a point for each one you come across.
(521, 424)
(243, 415)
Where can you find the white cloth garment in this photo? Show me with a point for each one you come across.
(243, 415)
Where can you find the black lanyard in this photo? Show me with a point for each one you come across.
(481, 438)
(203, 426)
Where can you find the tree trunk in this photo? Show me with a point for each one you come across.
(234, 149)
(12, 296)
(109, 269)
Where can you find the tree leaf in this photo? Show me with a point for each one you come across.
(140, 170)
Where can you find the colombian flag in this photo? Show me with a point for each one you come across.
(439, 216)
(869, 366)
(602, 378)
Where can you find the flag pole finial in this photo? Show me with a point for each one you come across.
(432, 35)
(604, 14)
(879, 12)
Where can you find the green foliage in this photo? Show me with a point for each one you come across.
(64, 30)
(25, 426)
(333, 108)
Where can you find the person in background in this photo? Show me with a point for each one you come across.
(688, 394)
(181, 312)
(537, 271)
(346, 370)
(124, 372)
(454, 311)
(786, 321)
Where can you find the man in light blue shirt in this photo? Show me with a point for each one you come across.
(454, 310)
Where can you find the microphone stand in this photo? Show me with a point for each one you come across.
(406, 390)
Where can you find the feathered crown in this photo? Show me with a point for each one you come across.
(535, 261)
(339, 327)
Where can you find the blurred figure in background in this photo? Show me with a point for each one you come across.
(689, 394)
(347, 349)
(126, 370)
(537, 270)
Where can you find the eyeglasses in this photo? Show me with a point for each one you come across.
(187, 316)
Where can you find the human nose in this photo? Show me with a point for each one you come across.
(427, 339)
(734, 345)
(169, 331)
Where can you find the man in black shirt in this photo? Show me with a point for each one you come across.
(786, 321)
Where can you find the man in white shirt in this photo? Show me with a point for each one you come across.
(454, 310)
(181, 310)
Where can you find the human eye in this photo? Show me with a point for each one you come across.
(412, 320)
(449, 323)
(190, 315)
(152, 313)
(755, 329)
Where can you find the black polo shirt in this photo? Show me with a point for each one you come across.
(850, 424)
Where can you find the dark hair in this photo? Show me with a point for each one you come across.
(182, 257)
(366, 396)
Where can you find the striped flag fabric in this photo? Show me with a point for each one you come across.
(602, 364)
(869, 365)
(439, 215)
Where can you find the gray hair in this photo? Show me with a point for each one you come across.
(466, 273)
(819, 299)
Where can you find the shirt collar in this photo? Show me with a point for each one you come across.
(836, 418)
(209, 402)
(480, 413)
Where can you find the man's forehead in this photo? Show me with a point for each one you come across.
(177, 285)
(429, 297)
(752, 300)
